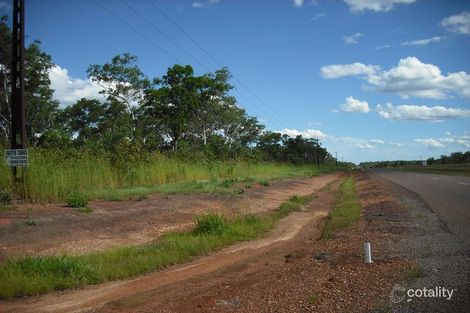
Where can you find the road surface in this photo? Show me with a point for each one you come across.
(448, 196)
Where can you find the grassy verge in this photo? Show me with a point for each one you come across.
(347, 209)
(52, 176)
(38, 275)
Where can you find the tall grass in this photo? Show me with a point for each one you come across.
(38, 275)
(52, 176)
(346, 211)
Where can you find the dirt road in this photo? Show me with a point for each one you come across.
(62, 230)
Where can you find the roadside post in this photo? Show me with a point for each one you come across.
(367, 253)
(17, 156)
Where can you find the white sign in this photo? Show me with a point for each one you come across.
(16, 157)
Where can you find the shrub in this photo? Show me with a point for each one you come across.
(5, 197)
(264, 183)
(75, 200)
(210, 224)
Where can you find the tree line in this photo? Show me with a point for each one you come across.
(453, 158)
(180, 113)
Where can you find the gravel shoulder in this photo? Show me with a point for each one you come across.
(443, 258)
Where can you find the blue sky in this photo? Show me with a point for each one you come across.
(373, 79)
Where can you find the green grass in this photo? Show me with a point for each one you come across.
(51, 176)
(313, 298)
(346, 211)
(39, 275)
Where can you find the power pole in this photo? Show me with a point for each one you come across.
(336, 158)
(18, 116)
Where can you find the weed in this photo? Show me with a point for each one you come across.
(5, 197)
(415, 273)
(347, 209)
(314, 297)
(75, 200)
(228, 183)
(30, 221)
(263, 183)
(85, 210)
(239, 191)
(210, 224)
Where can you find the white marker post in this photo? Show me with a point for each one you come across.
(367, 253)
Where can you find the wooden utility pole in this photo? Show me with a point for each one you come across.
(18, 115)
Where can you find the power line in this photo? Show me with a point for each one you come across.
(191, 56)
(165, 35)
(174, 43)
(135, 30)
(215, 60)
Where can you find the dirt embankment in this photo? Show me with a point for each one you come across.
(62, 230)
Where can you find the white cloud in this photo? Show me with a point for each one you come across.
(69, 89)
(386, 46)
(354, 69)
(365, 146)
(377, 141)
(353, 39)
(300, 3)
(318, 16)
(458, 23)
(374, 5)
(430, 143)
(410, 77)
(200, 5)
(423, 42)
(355, 106)
(309, 133)
(420, 112)
(463, 140)
(396, 144)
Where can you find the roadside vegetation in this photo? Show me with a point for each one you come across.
(42, 274)
(82, 176)
(457, 163)
(346, 211)
(146, 134)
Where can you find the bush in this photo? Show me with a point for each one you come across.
(210, 224)
(264, 183)
(75, 200)
(5, 197)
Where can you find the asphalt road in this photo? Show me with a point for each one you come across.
(448, 196)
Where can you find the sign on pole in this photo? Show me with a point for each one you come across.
(16, 157)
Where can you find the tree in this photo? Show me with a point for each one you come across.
(174, 102)
(84, 120)
(40, 106)
(212, 94)
(121, 81)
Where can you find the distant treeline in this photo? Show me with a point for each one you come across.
(453, 158)
(179, 114)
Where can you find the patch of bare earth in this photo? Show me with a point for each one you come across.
(63, 230)
(304, 274)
